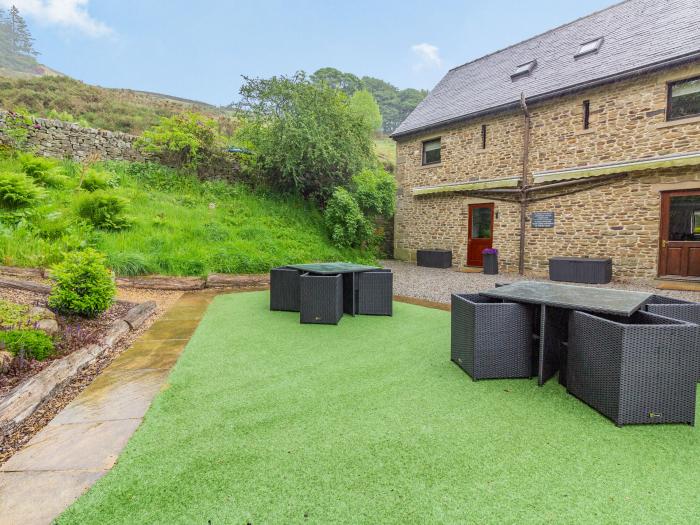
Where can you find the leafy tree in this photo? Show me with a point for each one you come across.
(394, 104)
(306, 136)
(362, 102)
(345, 82)
(347, 225)
(375, 192)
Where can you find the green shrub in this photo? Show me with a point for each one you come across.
(95, 180)
(104, 210)
(84, 285)
(45, 171)
(17, 191)
(33, 344)
(375, 192)
(345, 221)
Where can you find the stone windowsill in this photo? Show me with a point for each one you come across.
(426, 166)
(679, 122)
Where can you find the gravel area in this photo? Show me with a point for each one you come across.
(434, 284)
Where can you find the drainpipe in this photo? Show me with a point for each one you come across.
(524, 182)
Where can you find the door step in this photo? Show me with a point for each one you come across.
(685, 285)
(471, 269)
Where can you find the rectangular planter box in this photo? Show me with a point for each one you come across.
(580, 270)
(434, 258)
(638, 369)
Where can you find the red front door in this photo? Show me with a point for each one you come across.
(679, 244)
(480, 232)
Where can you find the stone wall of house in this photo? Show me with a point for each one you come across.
(55, 138)
(619, 220)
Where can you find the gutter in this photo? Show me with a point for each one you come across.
(650, 68)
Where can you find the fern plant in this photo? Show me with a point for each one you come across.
(17, 191)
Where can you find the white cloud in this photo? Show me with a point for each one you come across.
(70, 14)
(428, 56)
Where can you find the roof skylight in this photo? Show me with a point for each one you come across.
(589, 47)
(524, 69)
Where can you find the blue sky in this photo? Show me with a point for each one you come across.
(200, 49)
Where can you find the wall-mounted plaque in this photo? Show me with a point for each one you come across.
(542, 219)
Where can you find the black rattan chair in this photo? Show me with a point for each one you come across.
(284, 289)
(321, 298)
(638, 369)
(375, 292)
(491, 339)
(674, 308)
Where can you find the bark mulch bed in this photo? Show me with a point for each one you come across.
(75, 333)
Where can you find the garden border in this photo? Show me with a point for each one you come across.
(23, 400)
(151, 282)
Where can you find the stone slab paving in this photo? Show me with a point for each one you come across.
(85, 439)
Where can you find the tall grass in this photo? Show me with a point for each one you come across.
(177, 226)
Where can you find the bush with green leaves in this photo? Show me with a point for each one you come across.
(182, 140)
(83, 284)
(347, 225)
(104, 210)
(30, 344)
(306, 137)
(46, 172)
(375, 192)
(17, 191)
(95, 180)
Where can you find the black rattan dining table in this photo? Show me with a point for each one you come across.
(555, 302)
(349, 272)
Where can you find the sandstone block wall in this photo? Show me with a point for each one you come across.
(619, 220)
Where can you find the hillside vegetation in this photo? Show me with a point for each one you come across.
(150, 219)
(93, 106)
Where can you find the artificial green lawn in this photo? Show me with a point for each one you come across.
(269, 421)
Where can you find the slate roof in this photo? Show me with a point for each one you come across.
(638, 35)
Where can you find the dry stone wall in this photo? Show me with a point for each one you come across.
(620, 220)
(55, 138)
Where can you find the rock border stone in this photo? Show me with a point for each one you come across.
(151, 282)
(24, 399)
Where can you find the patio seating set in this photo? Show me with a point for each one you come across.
(634, 357)
(323, 292)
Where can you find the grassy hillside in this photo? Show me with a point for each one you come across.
(177, 225)
(386, 151)
(113, 109)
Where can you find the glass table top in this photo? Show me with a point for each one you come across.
(332, 268)
(588, 298)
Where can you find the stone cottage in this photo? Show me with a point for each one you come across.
(582, 141)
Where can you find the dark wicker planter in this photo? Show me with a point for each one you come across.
(491, 339)
(580, 270)
(638, 369)
(490, 263)
(434, 258)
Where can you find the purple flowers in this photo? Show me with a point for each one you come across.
(489, 251)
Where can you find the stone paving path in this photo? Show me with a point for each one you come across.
(84, 440)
